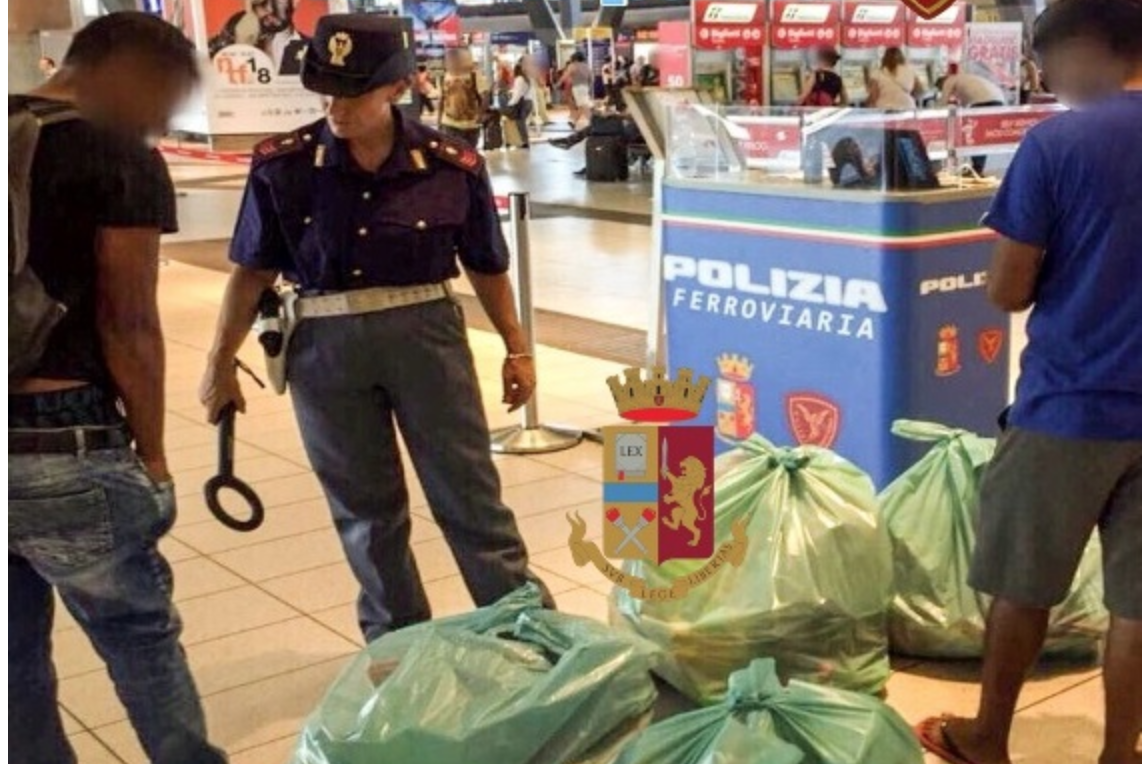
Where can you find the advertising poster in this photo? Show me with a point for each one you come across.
(726, 24)
(995, 51)
(798, 26)
(873, 25)
(256, 49)
(673, 55)
(436, 22)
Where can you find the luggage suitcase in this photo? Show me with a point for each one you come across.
(607, 159)
(493, 133)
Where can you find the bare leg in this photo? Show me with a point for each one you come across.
(1122, 676)
(1014, 638)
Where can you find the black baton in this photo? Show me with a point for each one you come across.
(225, 480)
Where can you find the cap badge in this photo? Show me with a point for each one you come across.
(340, 46)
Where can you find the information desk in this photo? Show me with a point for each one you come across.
(825, 314)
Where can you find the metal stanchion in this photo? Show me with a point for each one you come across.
(531, 437)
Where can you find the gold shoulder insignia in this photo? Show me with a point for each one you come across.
(457, 153)
(281, 145)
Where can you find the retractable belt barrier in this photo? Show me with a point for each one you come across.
(225, 479)
(530, 437)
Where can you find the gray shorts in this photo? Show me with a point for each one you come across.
(1040, 500)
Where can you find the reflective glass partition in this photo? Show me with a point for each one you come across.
(843, 147)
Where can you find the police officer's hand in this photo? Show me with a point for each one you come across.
(220, 388)
(519, 381)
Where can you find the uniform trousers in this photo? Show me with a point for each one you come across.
(354, 381)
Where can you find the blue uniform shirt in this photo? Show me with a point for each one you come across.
(1075, 189)
(312, 214)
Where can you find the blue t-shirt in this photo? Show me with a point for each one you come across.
(1075, 189)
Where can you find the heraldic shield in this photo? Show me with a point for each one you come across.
(658, 488)
(658, 493)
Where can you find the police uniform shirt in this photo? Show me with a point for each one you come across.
(311, 213)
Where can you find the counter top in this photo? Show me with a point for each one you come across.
(760, 184)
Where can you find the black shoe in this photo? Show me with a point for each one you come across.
(560, 143)
(581, 173)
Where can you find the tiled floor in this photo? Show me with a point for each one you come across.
(269, 615)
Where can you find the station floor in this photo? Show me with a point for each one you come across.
(269, 615)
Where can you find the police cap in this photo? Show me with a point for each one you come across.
(353, 53)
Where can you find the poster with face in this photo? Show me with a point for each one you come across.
(256, 49)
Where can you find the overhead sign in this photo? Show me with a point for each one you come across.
(798, 25)
(723, 24)
(872, 25)
(943, 31)
(613, 3)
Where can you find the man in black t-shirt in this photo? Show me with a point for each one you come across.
(89, 493)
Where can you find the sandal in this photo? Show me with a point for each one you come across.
(933, 737)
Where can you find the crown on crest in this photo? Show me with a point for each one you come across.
(733, 366)
(656, 398)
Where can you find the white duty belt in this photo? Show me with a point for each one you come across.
(372, 300)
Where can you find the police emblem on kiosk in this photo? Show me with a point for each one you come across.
(737, 399)
(658, 486)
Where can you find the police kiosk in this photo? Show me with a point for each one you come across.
(832, 284)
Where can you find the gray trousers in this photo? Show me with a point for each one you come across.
(352, 379)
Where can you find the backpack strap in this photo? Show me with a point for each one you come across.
(51, 112)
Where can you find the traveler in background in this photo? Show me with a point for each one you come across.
(895, 86)
(578, 77)
(538, 77)
(608, 73)
(89, 492)
(1070, 459)
(971, 91)
(424, 91)
(48, 67)
(463, 97)
(824, 87)
(504, 78)
(521, 103)
(1030, 82)
(636, 69)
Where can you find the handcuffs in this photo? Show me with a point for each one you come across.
(225, 479)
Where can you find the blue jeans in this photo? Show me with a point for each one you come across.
(88, 526)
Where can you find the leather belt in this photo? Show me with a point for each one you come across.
(76, 440)
(372, 300)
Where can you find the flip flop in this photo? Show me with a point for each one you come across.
(931, 734)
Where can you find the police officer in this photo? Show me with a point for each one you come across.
(367, 213)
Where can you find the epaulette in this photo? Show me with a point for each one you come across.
(456, 152)
(282, 145)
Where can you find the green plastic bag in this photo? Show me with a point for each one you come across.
(813, 592)
(931, 512)
(761, 722)
(508, 684)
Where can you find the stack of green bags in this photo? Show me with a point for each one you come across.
(931, 512)
(507, 684)
(813, 590)
(762, 722)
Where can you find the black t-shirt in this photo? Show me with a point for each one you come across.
(85, 178)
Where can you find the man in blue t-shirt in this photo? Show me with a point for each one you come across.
(1069, 216)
